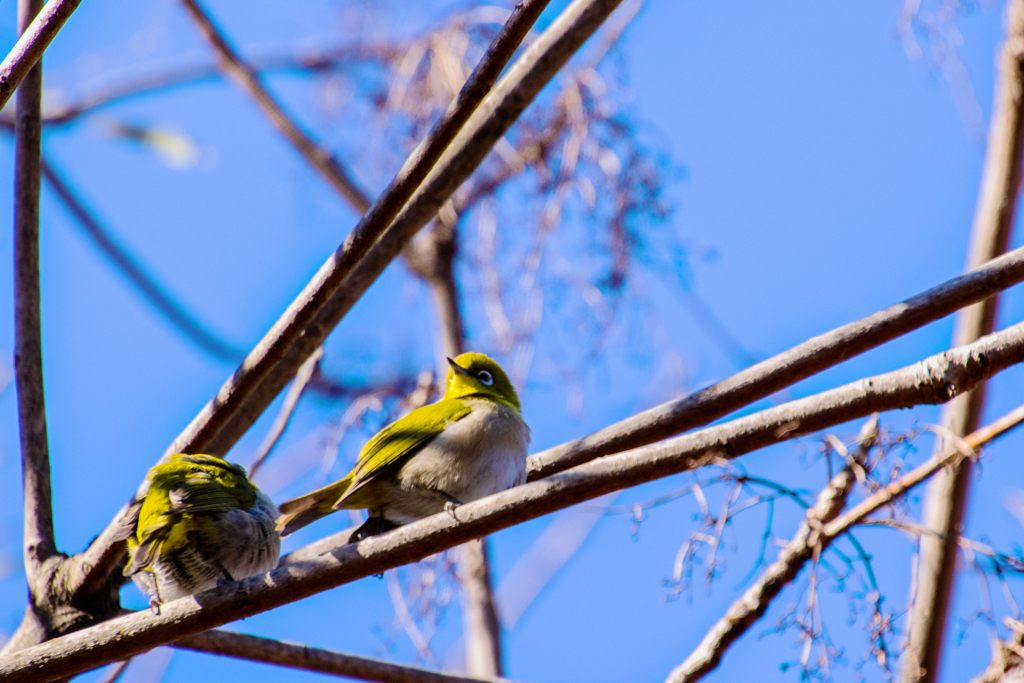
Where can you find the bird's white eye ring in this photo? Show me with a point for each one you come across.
(485, 377)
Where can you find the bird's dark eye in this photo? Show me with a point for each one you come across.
(485, 377)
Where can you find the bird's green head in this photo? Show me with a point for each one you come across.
(475, 375)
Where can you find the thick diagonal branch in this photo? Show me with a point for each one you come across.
(362, 257)
(784, 369)
(934, 380)
(990, 234)
(488, 123)
(35, 38)
(39, 544)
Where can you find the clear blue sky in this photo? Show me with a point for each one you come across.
(826, 176)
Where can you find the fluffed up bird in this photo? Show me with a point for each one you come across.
(202, 522)
(468, 445)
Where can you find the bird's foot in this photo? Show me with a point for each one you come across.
(450, 507)
(373, 526)
(154, 605)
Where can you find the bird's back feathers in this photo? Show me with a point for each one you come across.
(201, 520)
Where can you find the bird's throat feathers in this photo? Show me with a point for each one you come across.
(485, 396)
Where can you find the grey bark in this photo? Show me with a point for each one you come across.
(784, 369)
(34, 40)
(933, 380)
(990, 234)
(362, 257)
(39, 544)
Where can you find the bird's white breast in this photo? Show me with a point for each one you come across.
(481, 454)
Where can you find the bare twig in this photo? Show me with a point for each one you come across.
(786, 368)
(172, 310)
(935, 379)
(756, 600)
(314, 61)
(806, 544)
(362, 257)
(284, 416)
(269, 651)
(972, 547)
(405, 618)
(923, 472)
(34, 40)
(247, 78)
(990, 234)
(39, 544)
(431, 257)
(315, 312)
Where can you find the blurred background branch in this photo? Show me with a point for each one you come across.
(990, 237)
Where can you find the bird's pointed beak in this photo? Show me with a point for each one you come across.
(457, 368)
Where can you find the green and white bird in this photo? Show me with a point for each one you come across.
(468, 445)
(202, 522)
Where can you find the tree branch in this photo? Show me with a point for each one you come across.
(782, 370)
(291, 400)
(39, 544)
(431, 257)
(481, 628)
(312, 62)
(247, 78)
(306, 319)
(115, 675)
(933, 380)
(990, 234)
(216, 432)
(275, 652)
(30, 46)
(362, 257)
(806, 544)
(923, 472)
(815, 534)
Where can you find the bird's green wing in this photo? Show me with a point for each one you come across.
(198, 483)
(186, 484)
(211, 485)
(397, 442)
